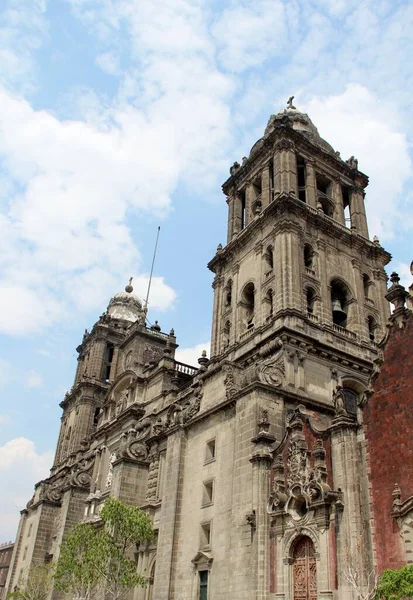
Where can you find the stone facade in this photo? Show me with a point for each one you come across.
(6, 551)
(254, 466)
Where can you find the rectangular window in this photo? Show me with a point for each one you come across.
(208, 493)
(25, 553)
(205, 541)
(210, 451)
(203, 585)
(30, 530)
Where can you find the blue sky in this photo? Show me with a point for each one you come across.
(119, 115)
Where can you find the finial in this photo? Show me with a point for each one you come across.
(203, 360)
(129, 287)
(290, 103)
(376, 240)
(394, 278)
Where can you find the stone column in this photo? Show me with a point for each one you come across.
(311, 185)
(237, 223)
(265, 187)
(217, 287)
(380, 292)
(325, 305)
(164, 584)
(81, 427)
(230, 229)
(285, 168)
(351, 541)
(358, 322)
(358, 211)
(337, 195)
(259, 521)
(290, 261)
(249, 203)
(235, 296)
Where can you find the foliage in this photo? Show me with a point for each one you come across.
(36, 585)
(97, 557)
(396, 584)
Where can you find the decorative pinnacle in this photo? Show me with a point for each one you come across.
(129, 287)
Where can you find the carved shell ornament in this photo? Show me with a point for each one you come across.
(272, 371)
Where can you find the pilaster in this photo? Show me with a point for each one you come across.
(311, 186)
(164, 586)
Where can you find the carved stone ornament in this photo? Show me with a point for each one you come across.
(109, 476)
(231, 387)
(300, 487)
(272, 371)
(82, 474)
(132, 444)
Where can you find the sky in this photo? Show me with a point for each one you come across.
(117, 116)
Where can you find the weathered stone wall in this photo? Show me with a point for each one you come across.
(388, 426)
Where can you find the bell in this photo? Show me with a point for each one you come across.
(338, 313)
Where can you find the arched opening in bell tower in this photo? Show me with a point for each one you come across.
(340, 296)
(248, 306)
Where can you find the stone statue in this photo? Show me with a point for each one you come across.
(290, 102)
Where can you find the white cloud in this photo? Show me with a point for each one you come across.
(190, 356)
(357, 123)
(65, 240)
(21, 466)
(108, 62)
(23, 28)
(248, 34)
(34, 380)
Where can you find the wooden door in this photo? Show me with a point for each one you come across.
(304, 570)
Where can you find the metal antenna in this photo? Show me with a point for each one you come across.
(150, 277)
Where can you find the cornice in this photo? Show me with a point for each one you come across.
(285, 206)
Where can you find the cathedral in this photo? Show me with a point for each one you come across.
(281, 467)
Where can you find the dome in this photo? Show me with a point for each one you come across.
(125, 305)
(300, 122)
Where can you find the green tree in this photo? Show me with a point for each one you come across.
(36, 584)
(396, 584)
(98, 558)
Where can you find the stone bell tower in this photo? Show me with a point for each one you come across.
(96, 370)
(299, 309)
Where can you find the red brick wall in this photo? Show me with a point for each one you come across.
(389, 420)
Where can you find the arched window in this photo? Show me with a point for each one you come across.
(310, 297)
(228, 293)
(269, 257)
(371, 324)
(248, 305)
(340, 297)
(308, 257)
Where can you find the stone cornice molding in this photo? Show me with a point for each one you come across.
(285, 207)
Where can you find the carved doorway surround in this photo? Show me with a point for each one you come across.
(304, 570)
